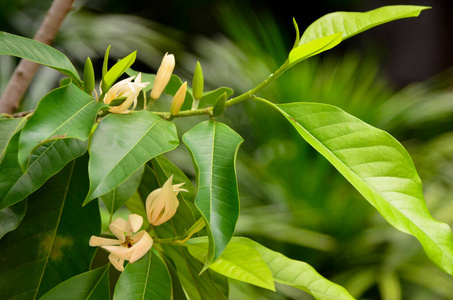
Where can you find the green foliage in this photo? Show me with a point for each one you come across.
(37, 52)
(73, 151)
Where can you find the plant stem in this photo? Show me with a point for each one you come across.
(245, 96)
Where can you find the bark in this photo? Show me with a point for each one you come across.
(25, 70)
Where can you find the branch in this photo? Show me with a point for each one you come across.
(25, 70)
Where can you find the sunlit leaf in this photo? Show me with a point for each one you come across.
(297, 273)
(35, 51)
(379, 167)
(51, 243)
(91, 285)
(214, 146)
(147, 278)
(47, 160)
(352, 23)
(72, 112)
(123, 143)
(118, 69)
(238, 261)
(313, 48)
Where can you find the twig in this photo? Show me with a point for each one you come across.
(25, 70)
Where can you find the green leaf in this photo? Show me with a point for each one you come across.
(92, 285)
(8, 127)
(11, 217)
(123, 143)
(313, 48)
(147, 278)
(72, 112)
(214, 146)
(46, 161)
(116, 198)
(352, 23)
(379, 167)
(188, 268)
(297, 274)
(51, 243)
(118, 69)
(40, 53)
(209, 98)
(238, 261)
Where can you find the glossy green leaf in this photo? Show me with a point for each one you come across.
(379, 167)
(209, 98)
(46, 161)
(123, 143)
(297, 274)
(91, 285)
(35, 51)
(195, 285)
(51, 243)
(352, 23)
(73, 115)
(147, 278)
(238, 261)
(214, 146)
(10, 217)
(118, 69)
(8, 127)
(314, 47)
(116, 198)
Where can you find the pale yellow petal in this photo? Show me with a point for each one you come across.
(136, 222)
(120, 228)
(120, 251)
(100, 241)
(142, 246)
(117, 262)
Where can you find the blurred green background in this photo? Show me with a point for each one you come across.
(396, 77)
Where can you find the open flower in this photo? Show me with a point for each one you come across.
(161, 204)
(128, 89)
(127, 246)
(163, 75)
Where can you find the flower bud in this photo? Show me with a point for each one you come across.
(88, 76)
(163, 75)
(161, 204)
(178, 99)
(197, 82)
(219, 105)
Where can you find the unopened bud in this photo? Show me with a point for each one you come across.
(197, 82)
(163, 75)
(178, 99)
(162, 203)
(88, 76)
(219, 105)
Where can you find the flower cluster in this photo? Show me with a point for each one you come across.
(127, 89)
(130, 245)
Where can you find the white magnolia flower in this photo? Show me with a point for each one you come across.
(128, 246)
(125, 88)
(161, 204)
(163, 75)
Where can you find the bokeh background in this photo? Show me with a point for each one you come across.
(396, 77)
